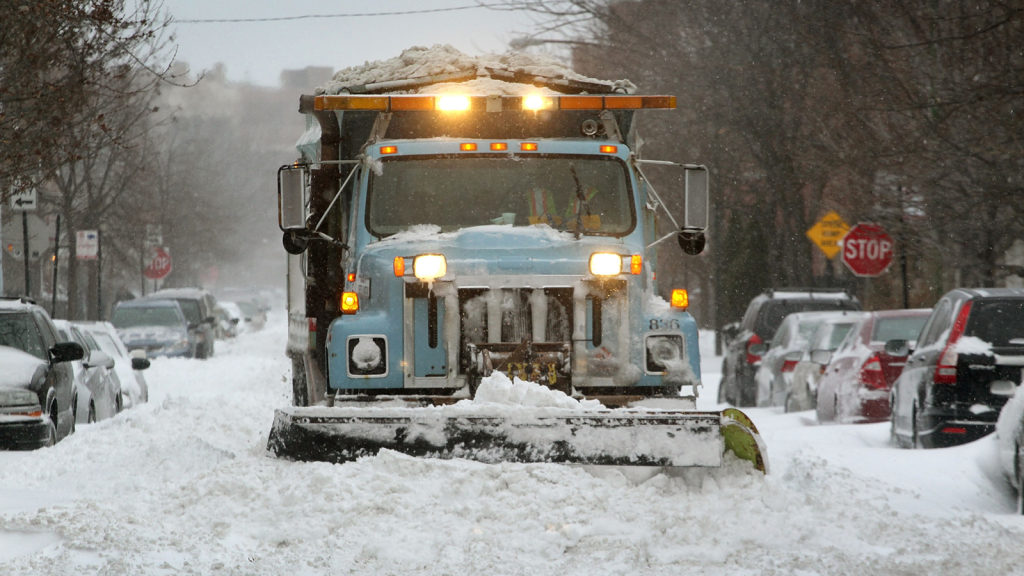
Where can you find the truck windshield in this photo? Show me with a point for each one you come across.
(564, 192)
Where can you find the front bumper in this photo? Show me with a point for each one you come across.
(27, 434)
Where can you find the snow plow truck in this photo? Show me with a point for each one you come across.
(462, 231)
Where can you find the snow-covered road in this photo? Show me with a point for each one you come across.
(183, 485)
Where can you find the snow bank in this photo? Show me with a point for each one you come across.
(419, 61)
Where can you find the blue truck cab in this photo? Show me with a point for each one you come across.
(433, 243)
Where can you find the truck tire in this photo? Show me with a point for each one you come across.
(300, 390)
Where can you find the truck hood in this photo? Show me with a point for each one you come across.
(498, 249)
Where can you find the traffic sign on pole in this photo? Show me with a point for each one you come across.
(867, 249)
(24, 199)
(159, 265)
(827, 233)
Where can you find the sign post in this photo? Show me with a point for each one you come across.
(24, 200)
(867, 249)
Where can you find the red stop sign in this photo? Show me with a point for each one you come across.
(867, 249)
(160, 266)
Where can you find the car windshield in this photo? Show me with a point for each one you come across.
(106, 343)
(898, 328)
(19, 330)
(774, 311)
(455, 193)
(191, 310)
(128, 317)
(998, 322)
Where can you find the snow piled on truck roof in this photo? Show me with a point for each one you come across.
(420, 62)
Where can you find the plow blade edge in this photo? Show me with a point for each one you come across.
(614, 437)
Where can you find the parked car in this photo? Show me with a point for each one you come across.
(157, 327)
(37, 383)
(1010, 443)
(254, 315)
(99, 391)
(763, 316)
(200, 308)
(789, 345)
(229, 319)
(858, 378)
(966, 364)
(803, 384)
(128, 366)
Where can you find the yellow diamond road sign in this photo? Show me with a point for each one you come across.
(828, 232)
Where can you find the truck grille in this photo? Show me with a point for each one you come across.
(515, 315)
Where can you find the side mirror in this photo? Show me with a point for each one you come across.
(695, 220)
(292, 197)
(758, 349)
(140, 363)
(697, 199)
(67, 352)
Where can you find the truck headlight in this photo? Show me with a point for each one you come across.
(429, 267)
(605, 264)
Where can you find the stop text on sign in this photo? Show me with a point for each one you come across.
(867, 249)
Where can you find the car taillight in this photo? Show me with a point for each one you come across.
(871, 374)
(789, 365)
(945, 370)
(753, 358)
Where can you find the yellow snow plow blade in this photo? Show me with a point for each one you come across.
(606, 437)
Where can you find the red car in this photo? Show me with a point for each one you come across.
(859, 374)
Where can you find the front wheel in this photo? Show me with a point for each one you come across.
(1018, 472)
(92, 413)
(300, 391)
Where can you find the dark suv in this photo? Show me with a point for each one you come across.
(967, 362)
(37, 381)
(763, 316)
(199, 307)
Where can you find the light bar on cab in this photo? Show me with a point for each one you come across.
(376, 103)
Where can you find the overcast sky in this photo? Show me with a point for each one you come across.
(258, 51)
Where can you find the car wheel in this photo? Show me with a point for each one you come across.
(300, 391)
(74, 415)
(119, 403)
(92, 413)
(915, 440)
(51, 433)
(1018, 475)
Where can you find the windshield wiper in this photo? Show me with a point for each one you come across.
(581, 201)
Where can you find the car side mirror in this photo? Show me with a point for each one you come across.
(758, 349)
(140, 363)
(67, 352)
(897, 347)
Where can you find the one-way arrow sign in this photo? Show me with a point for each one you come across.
(24, 200)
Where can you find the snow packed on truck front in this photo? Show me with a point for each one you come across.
(522, 256)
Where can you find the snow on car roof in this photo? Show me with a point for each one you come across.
(838, 294)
